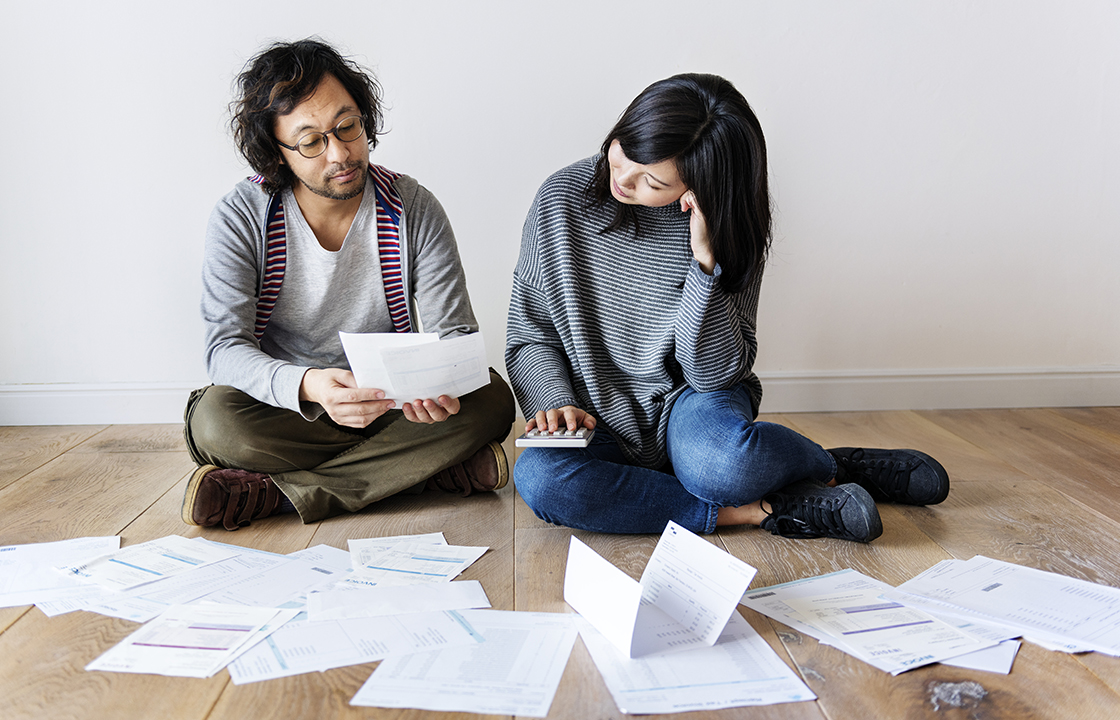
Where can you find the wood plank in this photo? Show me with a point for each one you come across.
(1023, 439)
(23, 449)
(136, 438)
(42, 675)
(86, 494)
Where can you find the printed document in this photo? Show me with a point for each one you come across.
(362, 550)
(411, 366)
(146, 562)
(895, 654)
(334, 604)
(28, 575)
(514, 671)
(187, 641)
(413, 562)
(740, 669)
(1061, 611)
(687, 593)
(301, 647)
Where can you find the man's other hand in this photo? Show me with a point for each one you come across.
(342, 399)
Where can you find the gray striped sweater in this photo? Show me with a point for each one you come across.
(618, 323)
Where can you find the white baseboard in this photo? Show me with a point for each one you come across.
(145, 403)
(940, 389)
(93, 404)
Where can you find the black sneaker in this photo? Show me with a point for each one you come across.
(904, 476)
(808, 509)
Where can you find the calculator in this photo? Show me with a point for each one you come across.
(560, 438)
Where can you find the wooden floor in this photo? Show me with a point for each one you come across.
(1036, 487)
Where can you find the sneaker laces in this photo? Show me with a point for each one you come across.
(889, 475)
(805, 517)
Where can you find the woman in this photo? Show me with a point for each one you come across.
(633, 313)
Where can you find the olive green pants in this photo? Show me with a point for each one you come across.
(325, 468)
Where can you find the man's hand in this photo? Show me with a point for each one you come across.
(573, 419)
(431, 411)
(339, 394)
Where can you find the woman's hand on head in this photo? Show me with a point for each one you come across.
(571, 417)
(698, 231)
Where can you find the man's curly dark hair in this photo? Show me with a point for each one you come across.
(275, 82)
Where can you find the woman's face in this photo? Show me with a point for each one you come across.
(650, 185)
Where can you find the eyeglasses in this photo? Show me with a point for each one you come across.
(314, 144)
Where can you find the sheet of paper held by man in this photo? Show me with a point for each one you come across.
(688, 591)
(515, 670)
(412, 366)
(28, 575)
(740, 669)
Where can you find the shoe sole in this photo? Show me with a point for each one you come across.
(192, 493)
(502, 463)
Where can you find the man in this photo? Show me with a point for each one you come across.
(322, 241)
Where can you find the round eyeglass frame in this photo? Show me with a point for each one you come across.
(298, 147)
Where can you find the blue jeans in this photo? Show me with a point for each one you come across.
(718, 456)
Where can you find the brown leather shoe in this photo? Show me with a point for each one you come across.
(485, 471)
(233, 498)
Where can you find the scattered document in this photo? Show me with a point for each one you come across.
(146, 562)
(1062, 612)
(302, 647)
(514, 671)
(874, 626)
(361, 602)
(414, 562)
(28, 575)
(740, 669)
(187, 641)
(894, 650)
(687, 593)
(363, 550)
(411, 366)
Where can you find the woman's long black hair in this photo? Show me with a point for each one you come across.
(704, 125)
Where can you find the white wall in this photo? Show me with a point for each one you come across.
(946, 174)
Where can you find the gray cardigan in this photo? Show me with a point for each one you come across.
(233, 268)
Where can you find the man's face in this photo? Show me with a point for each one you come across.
(340, 172)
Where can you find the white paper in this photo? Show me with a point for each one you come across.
(1061, 611)
(147, 562)
(873, 626)
(413, 366)
(688, 591)
(28, 575)
(740, 669)
(775, 602)
(414, 562)
(362, 550)
(301, 647)
(333, 604)
(145, 602)
(998, 659)
(186, 641)
(514, 671)
(285, 585)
